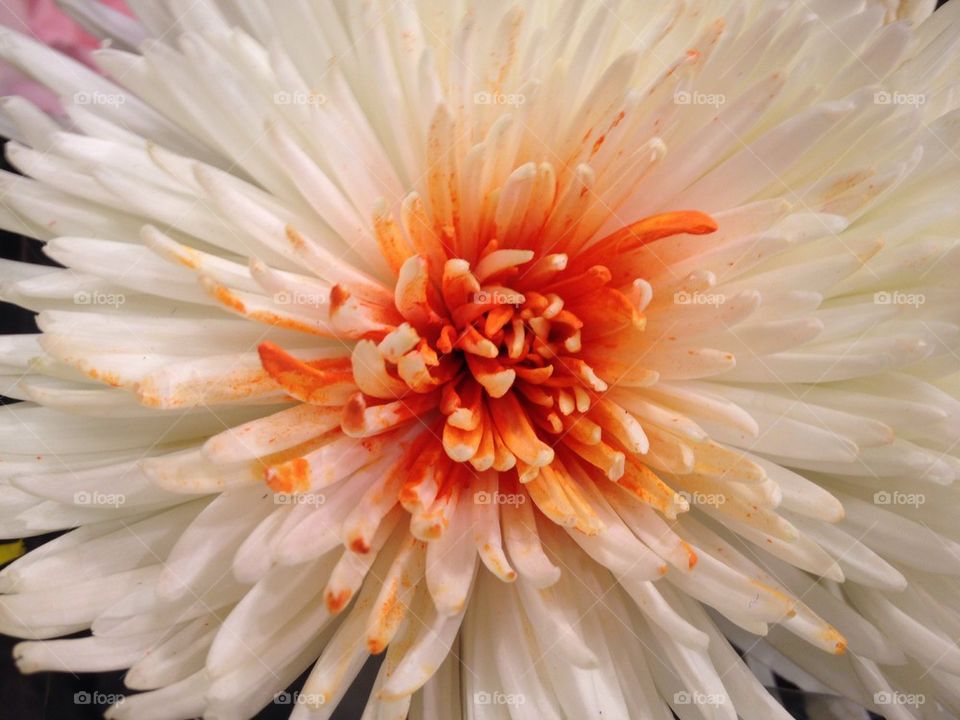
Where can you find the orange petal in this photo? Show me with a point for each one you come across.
(371, 375)
(645, 231)
(621, 425)
(517, 433)
(607, 311)
(461, 445)
(485, 456)
(390, 239)
(551, 500)
(414, 295)
(586, 518)
(361, 420)
(459, 286)
(420, 230)
(497, 318)
(641, 482)
(428, 523)
(495, 378)
(582, 284)
(468, 412)
(425, 476)
(354, 317)
(473, 342)
(536, 376)
(581, 429)
(534, 393)
(503, 459)
(600, 455)
(656, 227)
(330, 384)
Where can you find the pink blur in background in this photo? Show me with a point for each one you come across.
(44, 21)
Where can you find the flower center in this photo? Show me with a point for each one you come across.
(502, 356)
(503, 363)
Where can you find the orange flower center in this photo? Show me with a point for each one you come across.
(500, 362)
(500, 342)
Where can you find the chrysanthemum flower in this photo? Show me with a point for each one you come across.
(545, 348)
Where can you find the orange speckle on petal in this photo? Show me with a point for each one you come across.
(229, 299)
(289, 477)
(337, 601)
(338, 296)
(359, 546)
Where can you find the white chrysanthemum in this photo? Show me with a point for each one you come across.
(542, 347)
